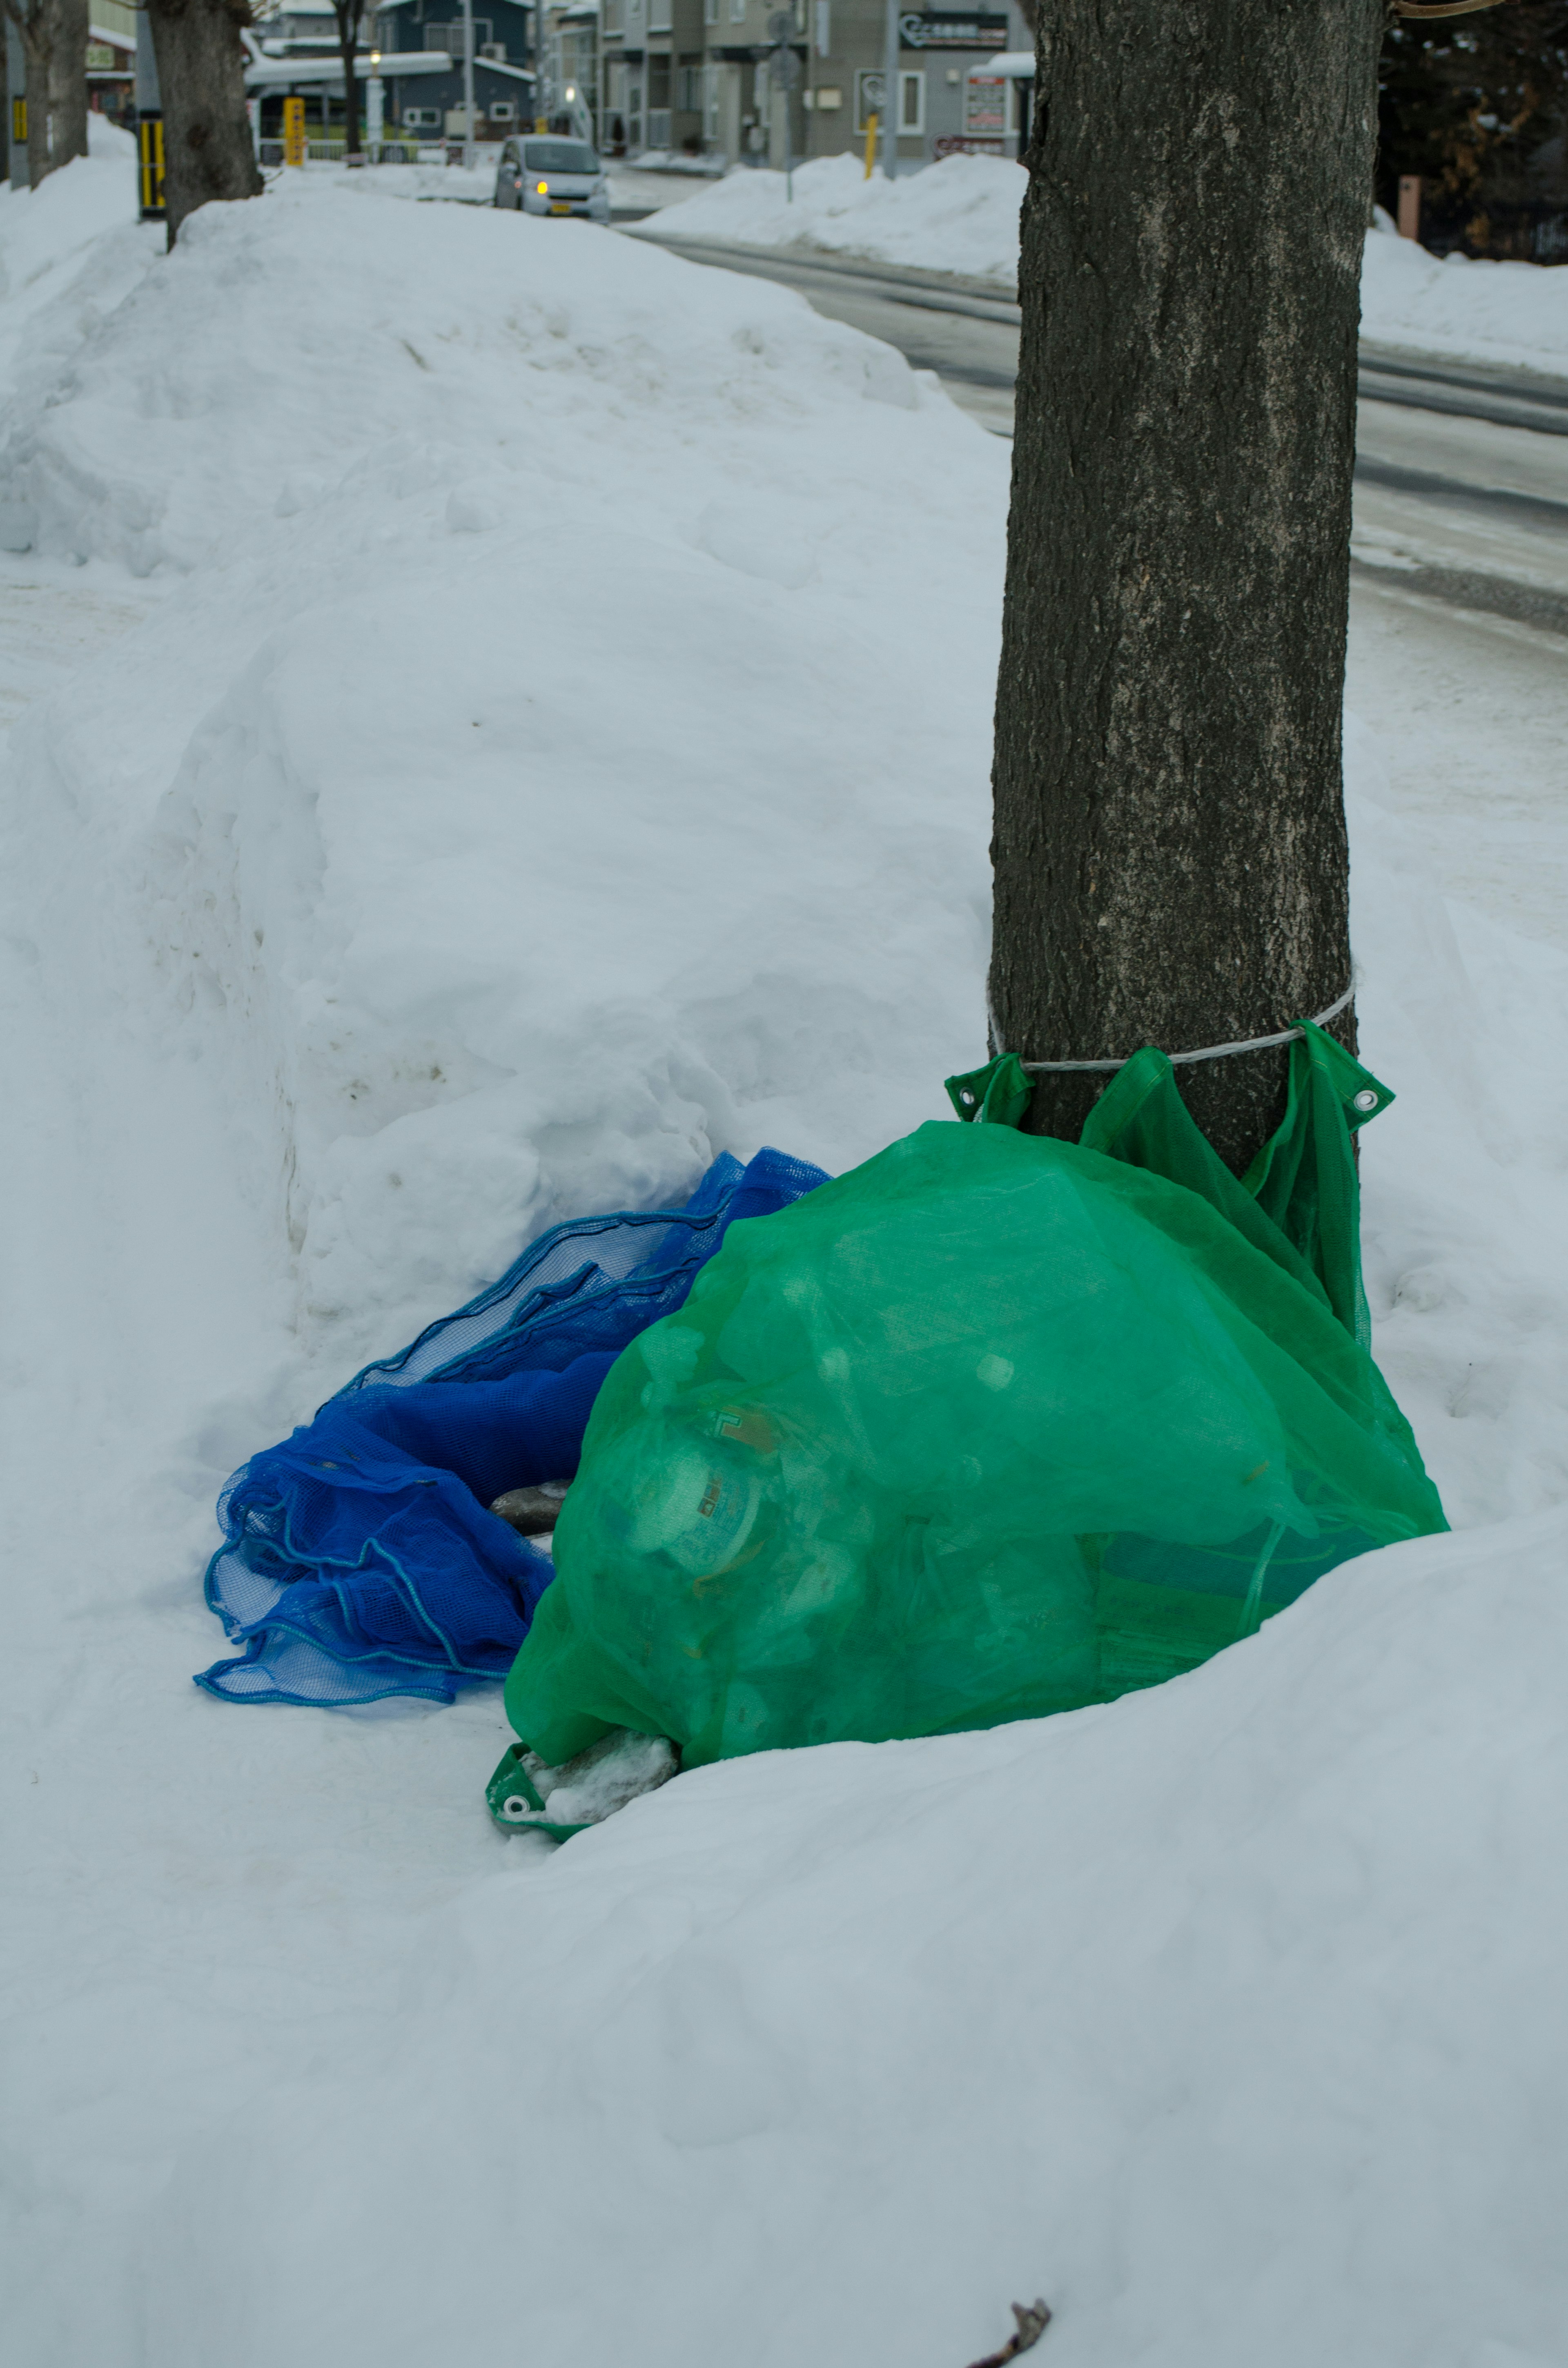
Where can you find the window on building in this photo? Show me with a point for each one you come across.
(737, 12)
(658, 15)
(613, 18)
(449, 37)
(659, 81)
(709, 12)
(911, 102)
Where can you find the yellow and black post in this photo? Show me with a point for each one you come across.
(150, 160)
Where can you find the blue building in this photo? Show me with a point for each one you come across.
(431, 104)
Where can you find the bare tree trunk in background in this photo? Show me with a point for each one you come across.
(1169, 851)
(208, 152)
(66, 87)
(350, 16)
(54, 40)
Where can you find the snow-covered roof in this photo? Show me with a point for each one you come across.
(1016, 66)
(270, 73)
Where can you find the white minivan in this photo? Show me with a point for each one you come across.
(541, 176)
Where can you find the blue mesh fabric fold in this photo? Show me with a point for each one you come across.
(359, 1558)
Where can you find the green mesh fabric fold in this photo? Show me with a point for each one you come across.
(990, 1427)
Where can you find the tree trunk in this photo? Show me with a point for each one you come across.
(350, 103)
(66, 85)
(1170, 854)
(36, 29)
(349, 15)
(208, 152)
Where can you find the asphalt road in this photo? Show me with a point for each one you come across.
(1461, 472)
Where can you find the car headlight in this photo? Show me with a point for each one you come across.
(541, 188)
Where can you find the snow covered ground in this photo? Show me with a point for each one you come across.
(494, 730)
(961, 215)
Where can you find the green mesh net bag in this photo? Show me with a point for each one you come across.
(993, 1426)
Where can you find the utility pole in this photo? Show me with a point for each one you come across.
(890, 95)
(16, 126)
(468, 84)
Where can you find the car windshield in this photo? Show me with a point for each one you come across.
(558, 156)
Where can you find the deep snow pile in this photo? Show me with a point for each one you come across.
(1465, 309)
(556, 750)
(559, 608)
(52, 240)
(959, 215)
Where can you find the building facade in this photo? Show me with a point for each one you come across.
(502, 66)
(413, 48)
(698, 77)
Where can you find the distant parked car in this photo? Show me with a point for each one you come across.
(552, 176)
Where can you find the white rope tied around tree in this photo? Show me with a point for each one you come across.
(1447, 8)
(1207, 1053)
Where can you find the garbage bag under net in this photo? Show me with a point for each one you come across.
(359, 1558)
(993, 1425)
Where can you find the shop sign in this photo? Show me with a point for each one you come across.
(952, 29)
(985, 105)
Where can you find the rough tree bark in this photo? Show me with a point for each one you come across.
(54, 41)
(1169, 851)
(208, 152)
(350, 16)
(66, 83)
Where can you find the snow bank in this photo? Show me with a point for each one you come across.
(53, 239)
(1227, 2018)
(433, 180)
(1469, 310)
(560, 617)
(959, 215)
(963, 216)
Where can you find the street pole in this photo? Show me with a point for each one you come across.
(17, 101)
(375, 108)
(891, 96)
(149, 103)
(468, 84)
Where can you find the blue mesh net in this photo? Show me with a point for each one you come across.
(360, 1559)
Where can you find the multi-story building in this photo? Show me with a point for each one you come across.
(697, 75)
(111, 59)
(410, 50)
(653, 60)
(569, 67)
(503, 63)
